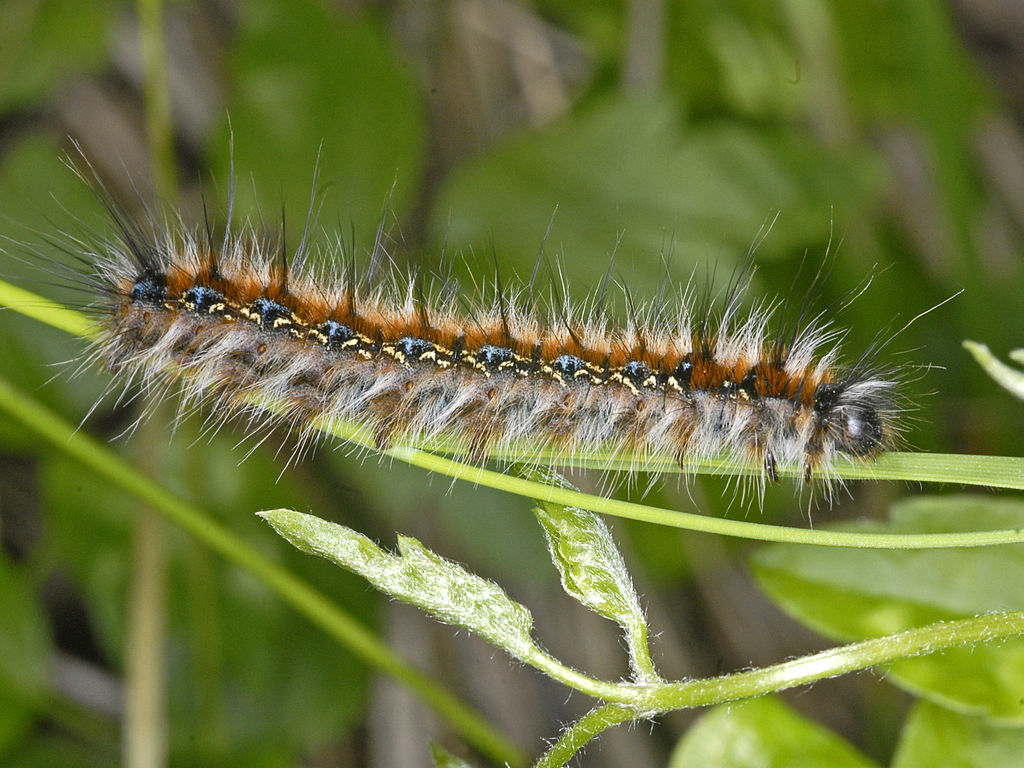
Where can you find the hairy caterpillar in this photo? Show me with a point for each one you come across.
(241, 324)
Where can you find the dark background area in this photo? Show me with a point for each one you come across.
(888, 132)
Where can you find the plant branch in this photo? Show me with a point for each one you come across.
(144, 738)
(592, 724)
(650, 700)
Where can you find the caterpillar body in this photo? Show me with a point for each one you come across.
(239, 324)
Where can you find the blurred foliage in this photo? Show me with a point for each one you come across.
(301, 79)
(856, 122)
(937, 736)
(729, 736)
(829, 591)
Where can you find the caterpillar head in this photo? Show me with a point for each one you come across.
(856, 414)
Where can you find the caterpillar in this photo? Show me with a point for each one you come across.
(237, 322)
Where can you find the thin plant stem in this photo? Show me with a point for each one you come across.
(591, 725)
(640, 651)
(145, 724)
(650, 700)
(144, 734)
(156, 98)
(702, 523)
(986, 471)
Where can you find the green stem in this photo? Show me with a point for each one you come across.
(650, 700)
(583, 730)
(664, 697)
(833, 662)
(44, 310)
(292, 590)
(598, 689)
(989, 471)
(640, 653)
(156, 98)
(702, 523)
(145, 722)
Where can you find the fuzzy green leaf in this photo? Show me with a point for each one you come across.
(594, 573)
(417, 576)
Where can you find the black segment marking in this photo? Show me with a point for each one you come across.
(567, 365)
(202, 299)
(457, 346)
(636, 371)
(749, 384)
(825, 396)
(269, 312)
(149, 289)
(492, 357)
(336, 333)
(683, 372)
(413, 348)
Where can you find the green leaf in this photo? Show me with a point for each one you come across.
(630, 168)
(935, 736)
(417, 576)
(43, 42)
(594, 573)
(853, 594)
(762, 733)
(306, 76)
(590, 564)
(1009, 378)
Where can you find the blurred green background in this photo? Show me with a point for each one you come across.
(889, 132)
